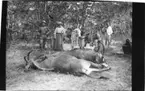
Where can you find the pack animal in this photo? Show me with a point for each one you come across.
(67, 63)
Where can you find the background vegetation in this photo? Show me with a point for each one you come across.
(29, 20)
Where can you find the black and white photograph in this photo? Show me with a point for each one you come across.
(69, 45)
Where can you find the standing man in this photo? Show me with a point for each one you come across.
(58, 37)
(82, 40)
(86, 39)
(109, 33)
(76, 33)
(73, 38)
(43, 37)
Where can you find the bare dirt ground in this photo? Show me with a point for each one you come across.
(18, 79)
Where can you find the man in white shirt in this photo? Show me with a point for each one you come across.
(78, 35)
(73, 38)
(109, 33)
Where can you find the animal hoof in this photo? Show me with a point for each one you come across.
(109, 68)
(26, 70)
(105, 78)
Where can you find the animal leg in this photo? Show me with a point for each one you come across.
(44, 69)
(90, 70)
(105, 65)
(87, 70)
(97, 70)
(95, 65)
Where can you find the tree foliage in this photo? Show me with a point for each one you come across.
(26, 17)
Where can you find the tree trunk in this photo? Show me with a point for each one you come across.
(85, 5)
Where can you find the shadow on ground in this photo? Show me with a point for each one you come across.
(119, 55)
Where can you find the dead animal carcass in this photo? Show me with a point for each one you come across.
(67, 63)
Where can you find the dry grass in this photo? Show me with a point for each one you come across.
(18, 79)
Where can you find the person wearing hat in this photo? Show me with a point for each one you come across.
(58, 37)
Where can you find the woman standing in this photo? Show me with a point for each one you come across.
(58, 37)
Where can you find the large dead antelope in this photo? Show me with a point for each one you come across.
(64, 62)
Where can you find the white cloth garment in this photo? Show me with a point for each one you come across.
(59, 30)
(78, 31)
(109, 30)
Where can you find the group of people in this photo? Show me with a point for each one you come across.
(78, 38)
